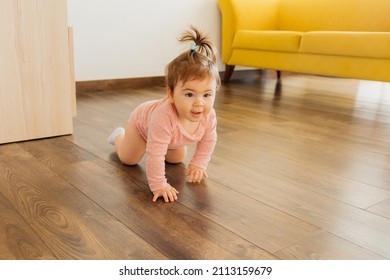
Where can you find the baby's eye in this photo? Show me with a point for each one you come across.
(207, 95)
(189, 94)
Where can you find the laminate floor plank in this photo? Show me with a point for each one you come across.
(56, 151)
(322, 122)
(174, 229)
(71, 225)
(356, 225)
(92, 139)
(307, 106)
(116, 109)
(255, 221)
(326, 246)
(18, 241)
(316, 174)
(364, 148)
(381, 208)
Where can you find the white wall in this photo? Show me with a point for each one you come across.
(116, 39)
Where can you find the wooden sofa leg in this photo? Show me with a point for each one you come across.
(229, 69)
(278, 74)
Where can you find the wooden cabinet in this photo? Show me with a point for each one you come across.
(36, 75)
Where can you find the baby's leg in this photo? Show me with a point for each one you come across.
(130, 146)
(176, 155)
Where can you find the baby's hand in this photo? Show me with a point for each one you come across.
(195, 173)
(169, 194)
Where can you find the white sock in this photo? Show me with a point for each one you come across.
(114, 134)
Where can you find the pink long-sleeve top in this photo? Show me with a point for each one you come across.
(158, 124)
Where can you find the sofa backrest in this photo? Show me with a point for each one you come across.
(343, 15)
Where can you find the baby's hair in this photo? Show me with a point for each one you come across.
(199, 62)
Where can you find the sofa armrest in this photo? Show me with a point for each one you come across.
(245, 14)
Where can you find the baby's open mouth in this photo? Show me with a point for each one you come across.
(196, 113)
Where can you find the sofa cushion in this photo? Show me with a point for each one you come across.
(332, 15)
(359, 44)
(286, 41)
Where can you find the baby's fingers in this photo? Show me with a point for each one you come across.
(165, 195)
(197, 175)
(168, 194)
(155, 196)
(172, 195)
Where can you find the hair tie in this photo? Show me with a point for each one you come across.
(194, 46)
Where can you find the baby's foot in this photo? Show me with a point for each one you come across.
(114, 134)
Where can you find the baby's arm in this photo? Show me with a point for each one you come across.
(155, 170)
(197, 167)
(159, 136)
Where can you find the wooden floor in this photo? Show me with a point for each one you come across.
(301, 171)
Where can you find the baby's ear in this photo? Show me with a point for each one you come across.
(170, 94)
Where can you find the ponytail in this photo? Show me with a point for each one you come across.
(201, 44)
(199, 62)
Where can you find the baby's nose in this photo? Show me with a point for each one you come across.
(198, 102)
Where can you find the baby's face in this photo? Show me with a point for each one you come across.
(193, 99)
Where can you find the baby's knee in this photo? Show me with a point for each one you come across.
(128, 160)
(176, 156)
(171, 161)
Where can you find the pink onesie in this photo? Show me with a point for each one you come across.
(158, 123)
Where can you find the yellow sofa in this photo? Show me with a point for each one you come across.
(343, 38)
